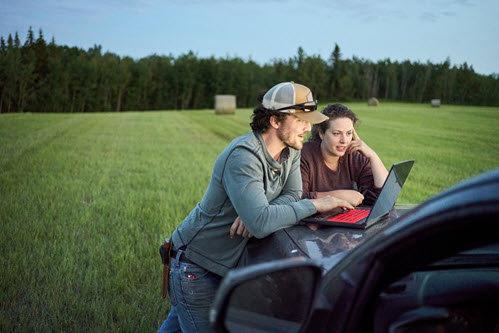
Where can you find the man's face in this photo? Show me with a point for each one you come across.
(292, 131)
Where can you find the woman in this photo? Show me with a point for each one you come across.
(336, 162)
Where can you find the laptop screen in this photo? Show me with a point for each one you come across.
(391, 189)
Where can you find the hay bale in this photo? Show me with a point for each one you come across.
(225, 104)
(435, 103)
(373, 101)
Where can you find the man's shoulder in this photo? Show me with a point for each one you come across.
(245, 144)
(248, 141)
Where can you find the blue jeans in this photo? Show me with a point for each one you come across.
(192, 290)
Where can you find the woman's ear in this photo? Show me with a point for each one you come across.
(321, 135)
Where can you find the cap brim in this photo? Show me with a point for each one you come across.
(313, 117)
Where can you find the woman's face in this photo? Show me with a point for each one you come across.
(337, 137)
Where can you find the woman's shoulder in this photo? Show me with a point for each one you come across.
(310, 148)
(357, 159)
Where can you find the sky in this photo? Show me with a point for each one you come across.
(265, 30)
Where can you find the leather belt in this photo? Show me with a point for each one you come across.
(182, 257)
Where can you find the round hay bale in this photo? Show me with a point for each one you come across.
(373, 101)
(435, 103)
(225, 104)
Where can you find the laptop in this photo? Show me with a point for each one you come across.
(363, 216)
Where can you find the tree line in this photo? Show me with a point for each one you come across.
(44, 77)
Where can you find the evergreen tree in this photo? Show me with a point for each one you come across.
(30, 38)
(17, 42)
(51, 78)
(41, 72)
(3, 47)
(335, 71)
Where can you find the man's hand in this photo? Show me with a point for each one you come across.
(239, 228)
(325, 204)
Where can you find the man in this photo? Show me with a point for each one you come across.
(255, 185)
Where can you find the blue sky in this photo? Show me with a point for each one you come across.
(415, 30)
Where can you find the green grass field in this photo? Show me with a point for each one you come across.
(86, 199)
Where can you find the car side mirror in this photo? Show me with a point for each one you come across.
(272, 297)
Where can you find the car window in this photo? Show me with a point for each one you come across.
(457, 294)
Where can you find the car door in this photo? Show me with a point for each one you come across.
(458, 219)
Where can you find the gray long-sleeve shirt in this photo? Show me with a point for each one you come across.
(249, 183)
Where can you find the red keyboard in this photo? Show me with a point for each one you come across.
(352, 216)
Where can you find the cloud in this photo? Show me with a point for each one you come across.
(367, 11)
(467, 3)
(429, 16)
(448, 13)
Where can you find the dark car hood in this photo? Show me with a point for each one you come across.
(326, 244)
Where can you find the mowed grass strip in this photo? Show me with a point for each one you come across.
(86, 199)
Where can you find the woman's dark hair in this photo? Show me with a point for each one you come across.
(260, 120)
(333, 111)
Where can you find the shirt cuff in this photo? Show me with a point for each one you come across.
(303, 208)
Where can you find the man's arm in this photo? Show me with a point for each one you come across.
(243, 182)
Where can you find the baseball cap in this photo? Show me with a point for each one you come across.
(293, 98)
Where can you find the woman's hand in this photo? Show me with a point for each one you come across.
(239, 228)
(358, 145)
(378, 168)
(355, 198)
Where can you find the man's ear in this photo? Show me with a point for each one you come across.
(274, 123)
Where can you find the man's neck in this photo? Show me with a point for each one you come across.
(274, 145)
